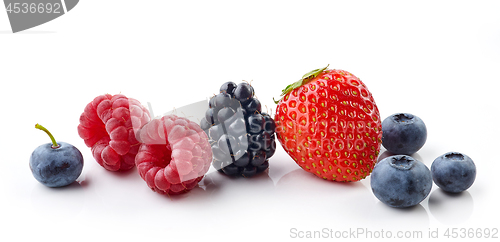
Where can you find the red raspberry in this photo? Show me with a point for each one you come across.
(174, 154)
(108, 125)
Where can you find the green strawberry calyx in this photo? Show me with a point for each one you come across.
(305, 78)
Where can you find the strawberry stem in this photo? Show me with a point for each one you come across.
(305, 78)
(54, 143)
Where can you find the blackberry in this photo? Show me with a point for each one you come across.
(241, 135)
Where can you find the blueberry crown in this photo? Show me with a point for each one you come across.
(454, 156)
(402, 162)
(404, 118)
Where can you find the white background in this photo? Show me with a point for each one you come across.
(439, 60)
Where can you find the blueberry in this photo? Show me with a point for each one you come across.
(401, 181)
(243, 92)
(228, 87)
(56, 164)
(453, 172)
(403, 133)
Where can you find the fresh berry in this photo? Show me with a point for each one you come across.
(56, 164)
(174, 154)
(241, 135)
(403, 133)
(108, 126)
(329, 124)
(401, 181)
(453, 172)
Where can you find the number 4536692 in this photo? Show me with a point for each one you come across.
(471, 233)
(34, 8)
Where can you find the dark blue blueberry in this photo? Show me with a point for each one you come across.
(56, 167)
(453, 172)
(401, 181)
(403, 133)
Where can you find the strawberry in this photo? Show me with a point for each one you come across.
(329, 124)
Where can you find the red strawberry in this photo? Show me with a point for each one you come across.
(329, 124)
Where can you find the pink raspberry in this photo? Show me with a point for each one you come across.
(108, 125)
(174, 154)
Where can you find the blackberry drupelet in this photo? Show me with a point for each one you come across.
(241, 135)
